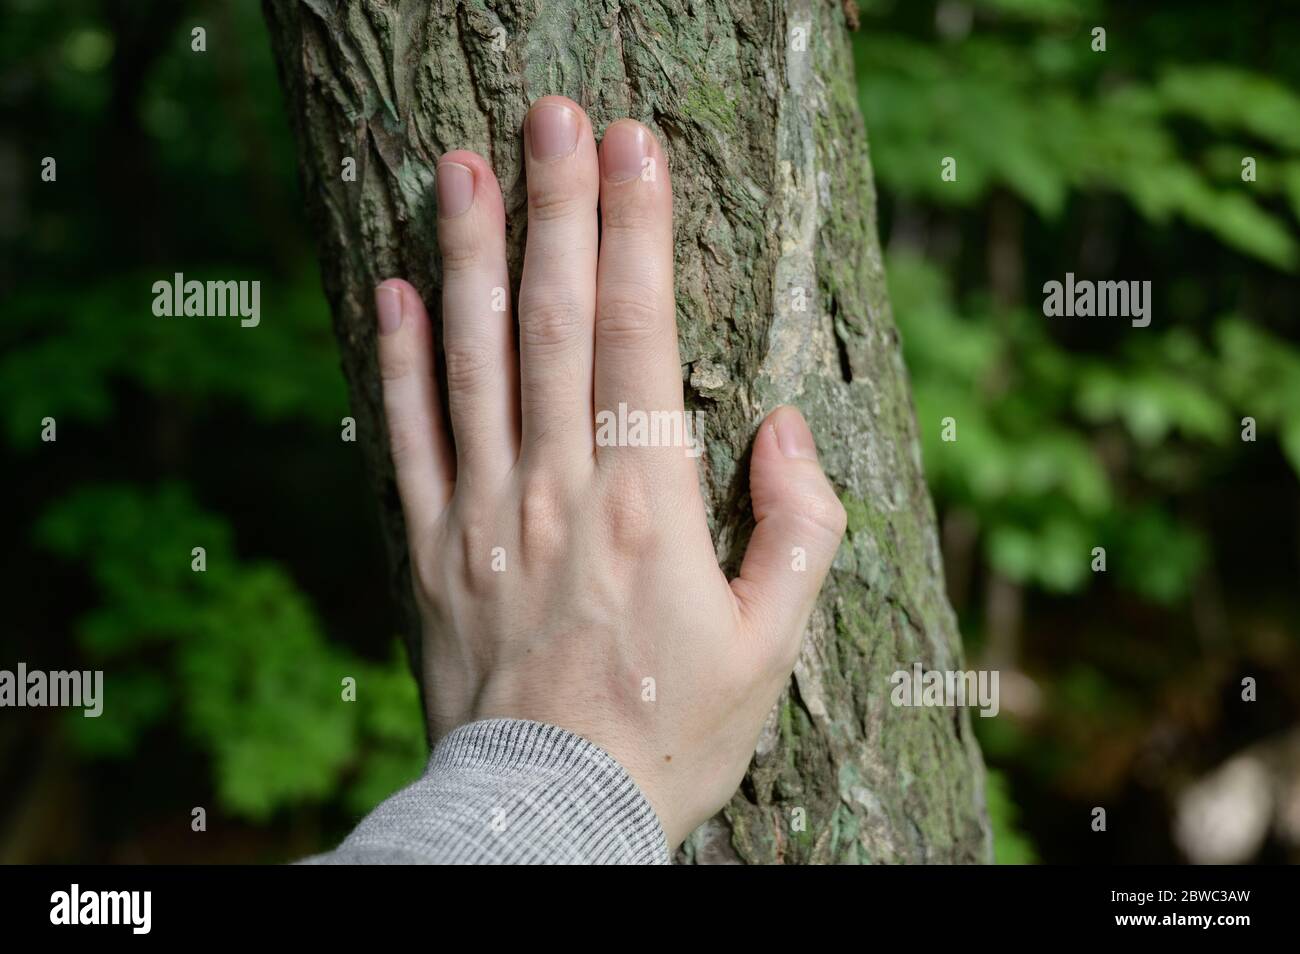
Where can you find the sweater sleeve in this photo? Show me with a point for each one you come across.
(510, 791)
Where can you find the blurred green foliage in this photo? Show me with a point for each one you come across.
(1024, 459)
(191, 171)
(233, 650)
(1010, 847)
(71, 375)
(1072, 433)
(1079, 433)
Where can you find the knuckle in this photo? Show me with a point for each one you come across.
(628, 513)
(543, 520)
(634, 216)
(550, 203)
(394, 362)
(625, 316)
(461, 249)
(841, 518)
(476, 553)
(468, 365)
(401, 441)
(427, 576)
(549, 324)
(822, 510)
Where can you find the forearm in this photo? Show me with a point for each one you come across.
(509, 791)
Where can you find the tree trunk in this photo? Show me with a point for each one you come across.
(780, 298)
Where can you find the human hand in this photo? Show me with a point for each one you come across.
(554, 574)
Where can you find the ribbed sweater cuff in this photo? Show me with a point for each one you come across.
(512, 791)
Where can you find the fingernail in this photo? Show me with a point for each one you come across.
(388, 302)
(793, 436)
(455, 189)
(623, 151)
(552, 131)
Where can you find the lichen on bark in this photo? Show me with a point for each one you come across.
(774, 208)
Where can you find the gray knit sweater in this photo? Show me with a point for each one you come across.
(509, 791)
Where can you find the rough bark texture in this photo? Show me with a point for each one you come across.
(774, 201)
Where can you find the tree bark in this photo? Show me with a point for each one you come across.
(780, 299)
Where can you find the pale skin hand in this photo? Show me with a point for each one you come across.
(610, 576)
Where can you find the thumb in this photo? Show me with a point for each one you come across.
(799, 524)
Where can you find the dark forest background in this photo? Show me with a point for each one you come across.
(1121, 689)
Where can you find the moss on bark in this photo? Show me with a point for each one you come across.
(781, 299)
